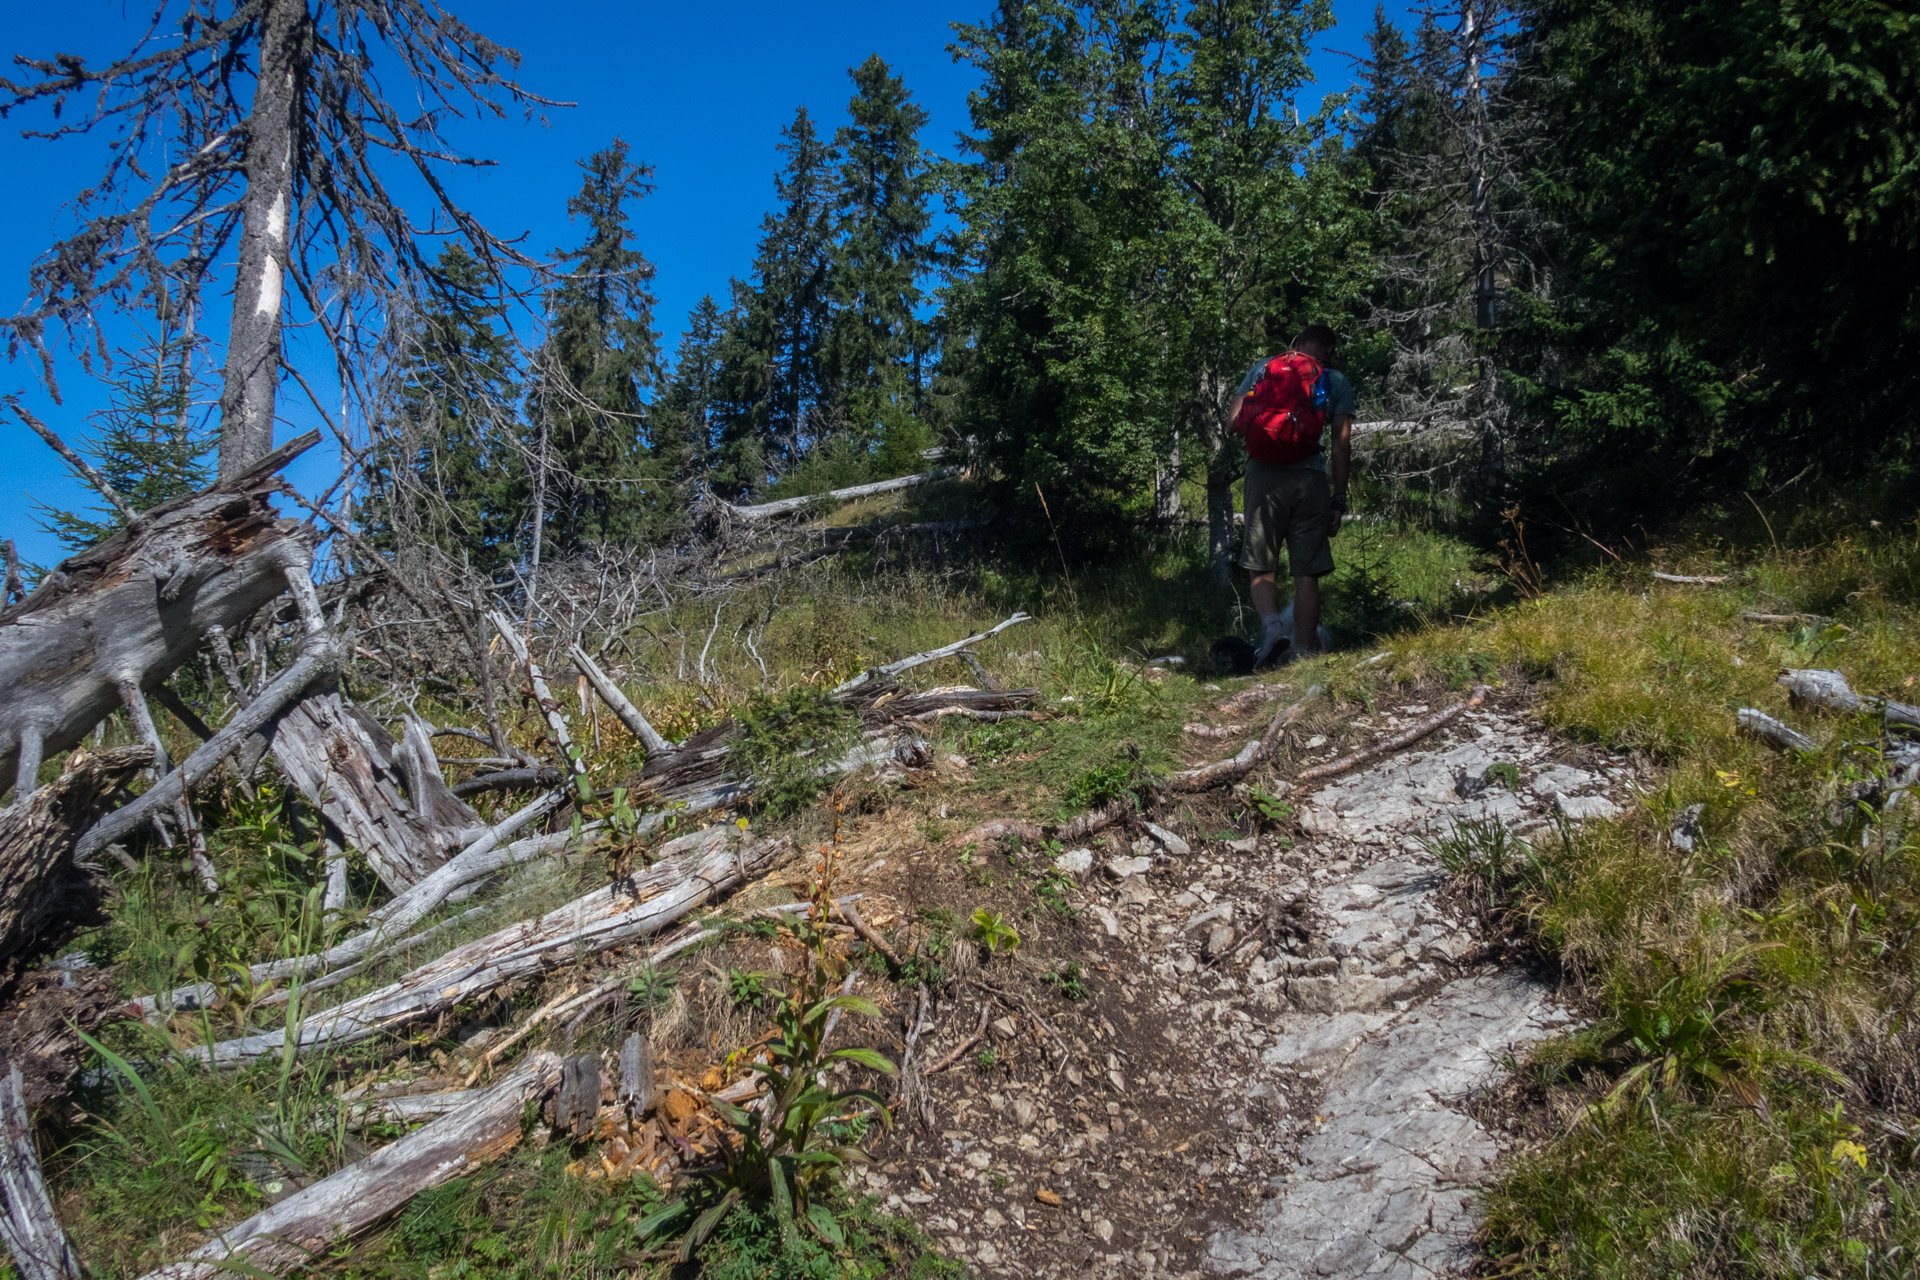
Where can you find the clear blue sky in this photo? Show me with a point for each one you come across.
(700, 91)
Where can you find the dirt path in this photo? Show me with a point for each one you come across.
(1270, 1075)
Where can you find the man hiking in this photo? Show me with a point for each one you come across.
(1285, 409)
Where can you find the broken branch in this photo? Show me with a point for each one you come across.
(1393, 743)
(1250, 756)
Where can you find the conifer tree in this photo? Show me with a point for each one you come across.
(882, 219)
(150, 443)
(686, 417)
(786, 396)
(598, 478)
(1063, 208)
(448, 470)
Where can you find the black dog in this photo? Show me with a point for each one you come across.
(1232, 656)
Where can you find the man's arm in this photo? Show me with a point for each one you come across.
(1342, 452)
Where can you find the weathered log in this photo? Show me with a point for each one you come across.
(1250, 756)
(136, 607)
(385, 799)
(604, 918)
(307, 1223)
(1691, 579)
(786, 506)
(32, 1233)
(1393, 742)
(1830, 691)
(45, 895)
(539, 777)
(637, 724)
(1762, 725)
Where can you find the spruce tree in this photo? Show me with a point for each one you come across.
(150, 443)
(448, 470)
(686, 417)
(882, 219)
(786, 395)
(587, 435)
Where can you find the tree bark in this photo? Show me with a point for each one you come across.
(45, 896)
(381, 796)
(139, 605)
(252, 372)
(1221, 473)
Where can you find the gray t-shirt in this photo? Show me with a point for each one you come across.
(1340, 404)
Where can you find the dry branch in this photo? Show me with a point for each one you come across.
(1225, 771)
(891, 669)
(32, 1233)
(1762, 725)
(1829, 690)
(1405, 737)
(604, 918)
(303, 1226)
(570, 756)
(1691, 579)
(953, 1055)
(637, 724)
(137, 606)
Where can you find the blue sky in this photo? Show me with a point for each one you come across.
(699, 91)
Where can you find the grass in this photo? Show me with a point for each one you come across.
(1741, 1101)
(1738, 1104)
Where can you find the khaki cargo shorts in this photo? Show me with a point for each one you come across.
(1293, 504)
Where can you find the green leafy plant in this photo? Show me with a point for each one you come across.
(745, 987)
(652, 988)
(1504, 772)
(994, 934)
(1271, 810)
(986, 1060)
(787, 743)
(788, 1153)
(1070, 980)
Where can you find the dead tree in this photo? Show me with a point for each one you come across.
(292, 183)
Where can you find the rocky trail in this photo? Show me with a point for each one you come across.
(1271, 1072)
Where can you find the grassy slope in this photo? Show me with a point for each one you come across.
(1769, 976)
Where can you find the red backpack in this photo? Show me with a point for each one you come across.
(1283, 415)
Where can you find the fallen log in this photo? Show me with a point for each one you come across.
(131, 611)
(604, 918)
(1691, 579)
(1088, 823)
(875, 675)
(385, 798)
(1250, 756)
(1387, 745)
(32, 1232)
(45, 895)
(786, 506)
(1762, 725)
(306, 1224)
(320, 657)
(1830, 691)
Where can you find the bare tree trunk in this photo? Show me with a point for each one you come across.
(259, 289)
(1166, 485)
(1479, 199)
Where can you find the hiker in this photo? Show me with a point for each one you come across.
(1284, 409)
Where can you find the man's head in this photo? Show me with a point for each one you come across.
(1317, 340)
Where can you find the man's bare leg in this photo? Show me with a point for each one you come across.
(1266, 602)
(1306, 613)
